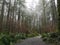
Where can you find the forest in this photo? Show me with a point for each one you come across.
(21, 19)
(21, 16)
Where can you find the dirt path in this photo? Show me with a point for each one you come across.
(32, 41)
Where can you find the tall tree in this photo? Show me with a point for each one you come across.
(8, 25)
(54, 14)
(44, 16)
(58, 1)
(2, 14)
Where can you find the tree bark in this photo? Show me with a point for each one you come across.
(7, 23)
(58, 1)
(2, 14)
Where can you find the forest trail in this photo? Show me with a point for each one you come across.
(32, 41)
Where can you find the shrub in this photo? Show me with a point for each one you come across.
(32, 35)
(10, 38)
(51, 37)
(21, 36)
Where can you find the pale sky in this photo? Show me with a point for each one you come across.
(56, 2)
(31, 3)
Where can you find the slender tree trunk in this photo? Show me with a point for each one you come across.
(14, 10)
(18, 20)
(58, 1)
(8, 26)
(44, 17)
(2, 14)
(54, 15)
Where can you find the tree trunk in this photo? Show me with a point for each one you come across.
(7, 23)
(19, 20)
(2, 14)
(58, 1)
(54, 15)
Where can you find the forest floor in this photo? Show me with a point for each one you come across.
(32, 41)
